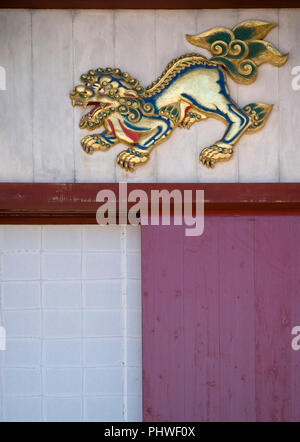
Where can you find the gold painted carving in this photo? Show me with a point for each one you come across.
(190, 89)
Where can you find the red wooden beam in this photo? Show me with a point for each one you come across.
(51, 203)
(147, 4)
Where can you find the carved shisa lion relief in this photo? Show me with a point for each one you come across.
(190, 89)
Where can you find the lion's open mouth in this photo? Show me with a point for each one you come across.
(95, 107)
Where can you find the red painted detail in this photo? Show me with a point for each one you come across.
(226, 302)
(134, 136)
(111, 127)
(129, 95)
(186, 110)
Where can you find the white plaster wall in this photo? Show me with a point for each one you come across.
(71, 306)
(44, 53)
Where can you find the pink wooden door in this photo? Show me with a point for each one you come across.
(218, 311)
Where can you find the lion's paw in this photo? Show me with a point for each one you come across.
(130, 158)
(90, 143)
(213, 154)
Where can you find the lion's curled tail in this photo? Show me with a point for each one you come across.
(258, 113)
(240, 50)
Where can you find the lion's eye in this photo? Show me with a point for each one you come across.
(80, 89)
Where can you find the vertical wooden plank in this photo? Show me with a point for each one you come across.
(273, 269)
(293, 288)
(219, 322)
(163, 339)
(259, 152)
(211, 130)
(179, 151)
(201, 325)
(289, 41)
(135, 53)
(237, 318)
(93, 33)
(16, 101)
(52, 82)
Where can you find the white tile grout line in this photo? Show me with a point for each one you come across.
(124, 316)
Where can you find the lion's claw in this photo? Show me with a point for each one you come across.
(128, 159)
(90, 143)
(89, 150)
(209, 156)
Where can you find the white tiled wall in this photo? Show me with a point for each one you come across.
(71, 306)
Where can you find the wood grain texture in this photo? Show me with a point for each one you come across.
(52, 112)
(16, 101)
(181, 147)
(259, 152)
(240, 290)
(163, 389)
(237, 317)
(135, 53)
(293, 287)
(93, 45)
(274, 292)
(289, 99)
(201, 326)
(211, 130)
